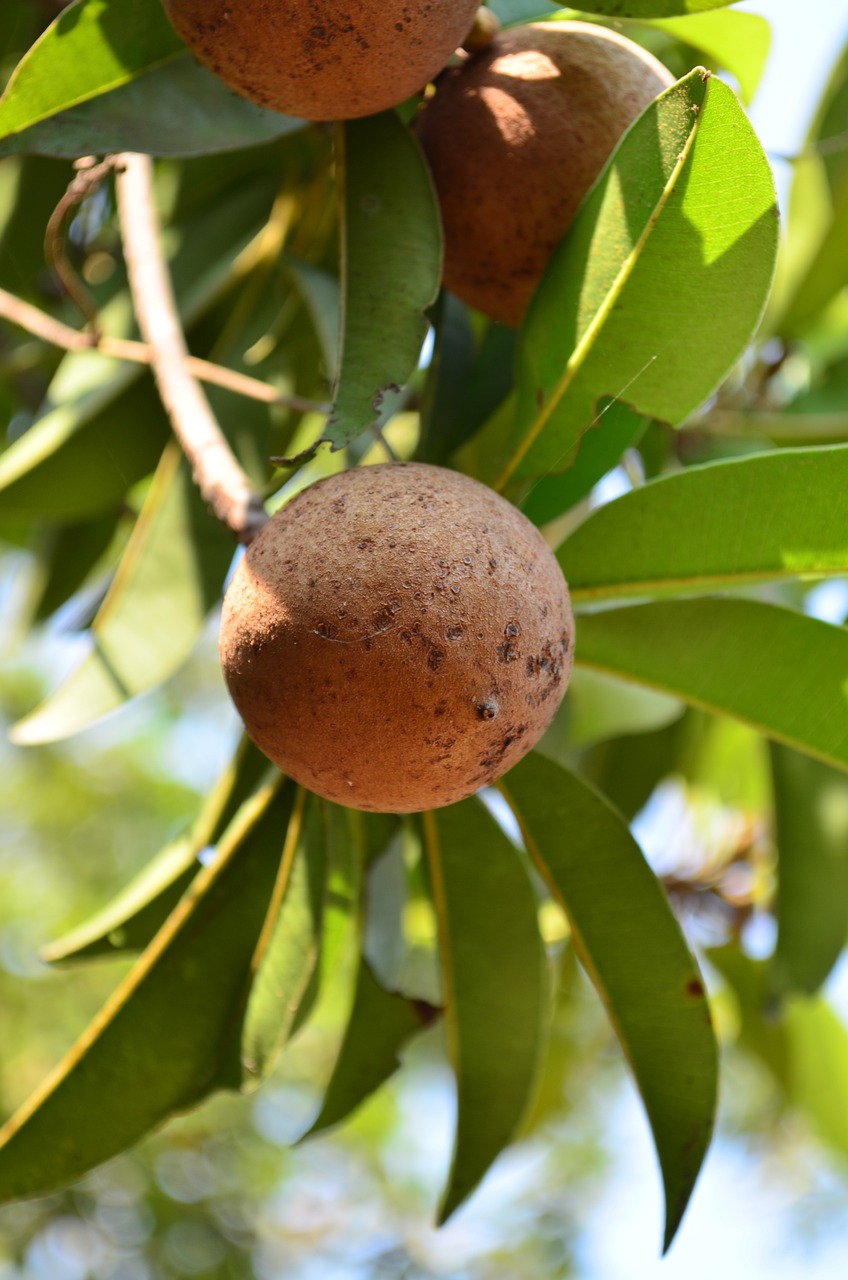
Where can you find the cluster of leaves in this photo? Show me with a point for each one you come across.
(689, 588)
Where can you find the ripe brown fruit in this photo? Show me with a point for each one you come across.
(323, 59)
(515, 138)
(397, 637)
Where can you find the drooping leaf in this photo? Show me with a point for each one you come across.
(811, 832)
(133, 918)
(66, 557)
(170, 576)
(657, 287)
(494, 975)
(286, 956)
(391, 266)
(618, 428)
(466, 379)
(379, 1026)
(633, 950)
(770, 516)
(163, 1041)
(781, 672)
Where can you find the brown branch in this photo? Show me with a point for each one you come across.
(88, 178)
(44, 326)
(219, 476)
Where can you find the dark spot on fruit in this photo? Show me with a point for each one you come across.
(487, 710)
(435, 658)
(694, 989)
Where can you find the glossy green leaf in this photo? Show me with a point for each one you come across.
(391, 267)
(770, 516)
(163, 1040)
(94, 46)
(618, 428)
(494, 975)
(287, 953)
(659, 284)
(175, 109)
(781, 672)
(132, 919)
(171, 575)
(379, 1026)
(738, 42)
(811, 833)
(633, 950)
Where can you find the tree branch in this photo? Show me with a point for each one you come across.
(44, 326)
(219, 476)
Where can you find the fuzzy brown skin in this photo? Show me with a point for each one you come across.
(515, 138)
(323, 59)
(397, 637)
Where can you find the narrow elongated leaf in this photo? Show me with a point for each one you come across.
(170, 577)
(654, 8)
(173, 109)
(92, 47)
(770, 516)
(781, 672)
(379, 1026)
(164, 1039)
(632, 947)
(494, 976)
(618, 428)
(811, 821)
(658, 285)
(287, 953)
(67, 556)
(132, 919)
(391, 266)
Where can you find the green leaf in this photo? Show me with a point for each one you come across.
(133, 918)
(739, 42)
(513, 12)
(770, 516)
(391, 266)
(780, 672)
(653, 8)
(92, 47)
(379, 1026)
(811, 821)
(287, 953)
(67, 556)
(175, 109)
(618, 428)
(163, 1040)
(633, 950)
(495, 984)
(169, 578)
(466, 379)
(657, 287)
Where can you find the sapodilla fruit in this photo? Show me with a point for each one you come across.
(515, 137)
(397, 637)
(323, 59)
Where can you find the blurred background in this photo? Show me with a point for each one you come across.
(222, 1193)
